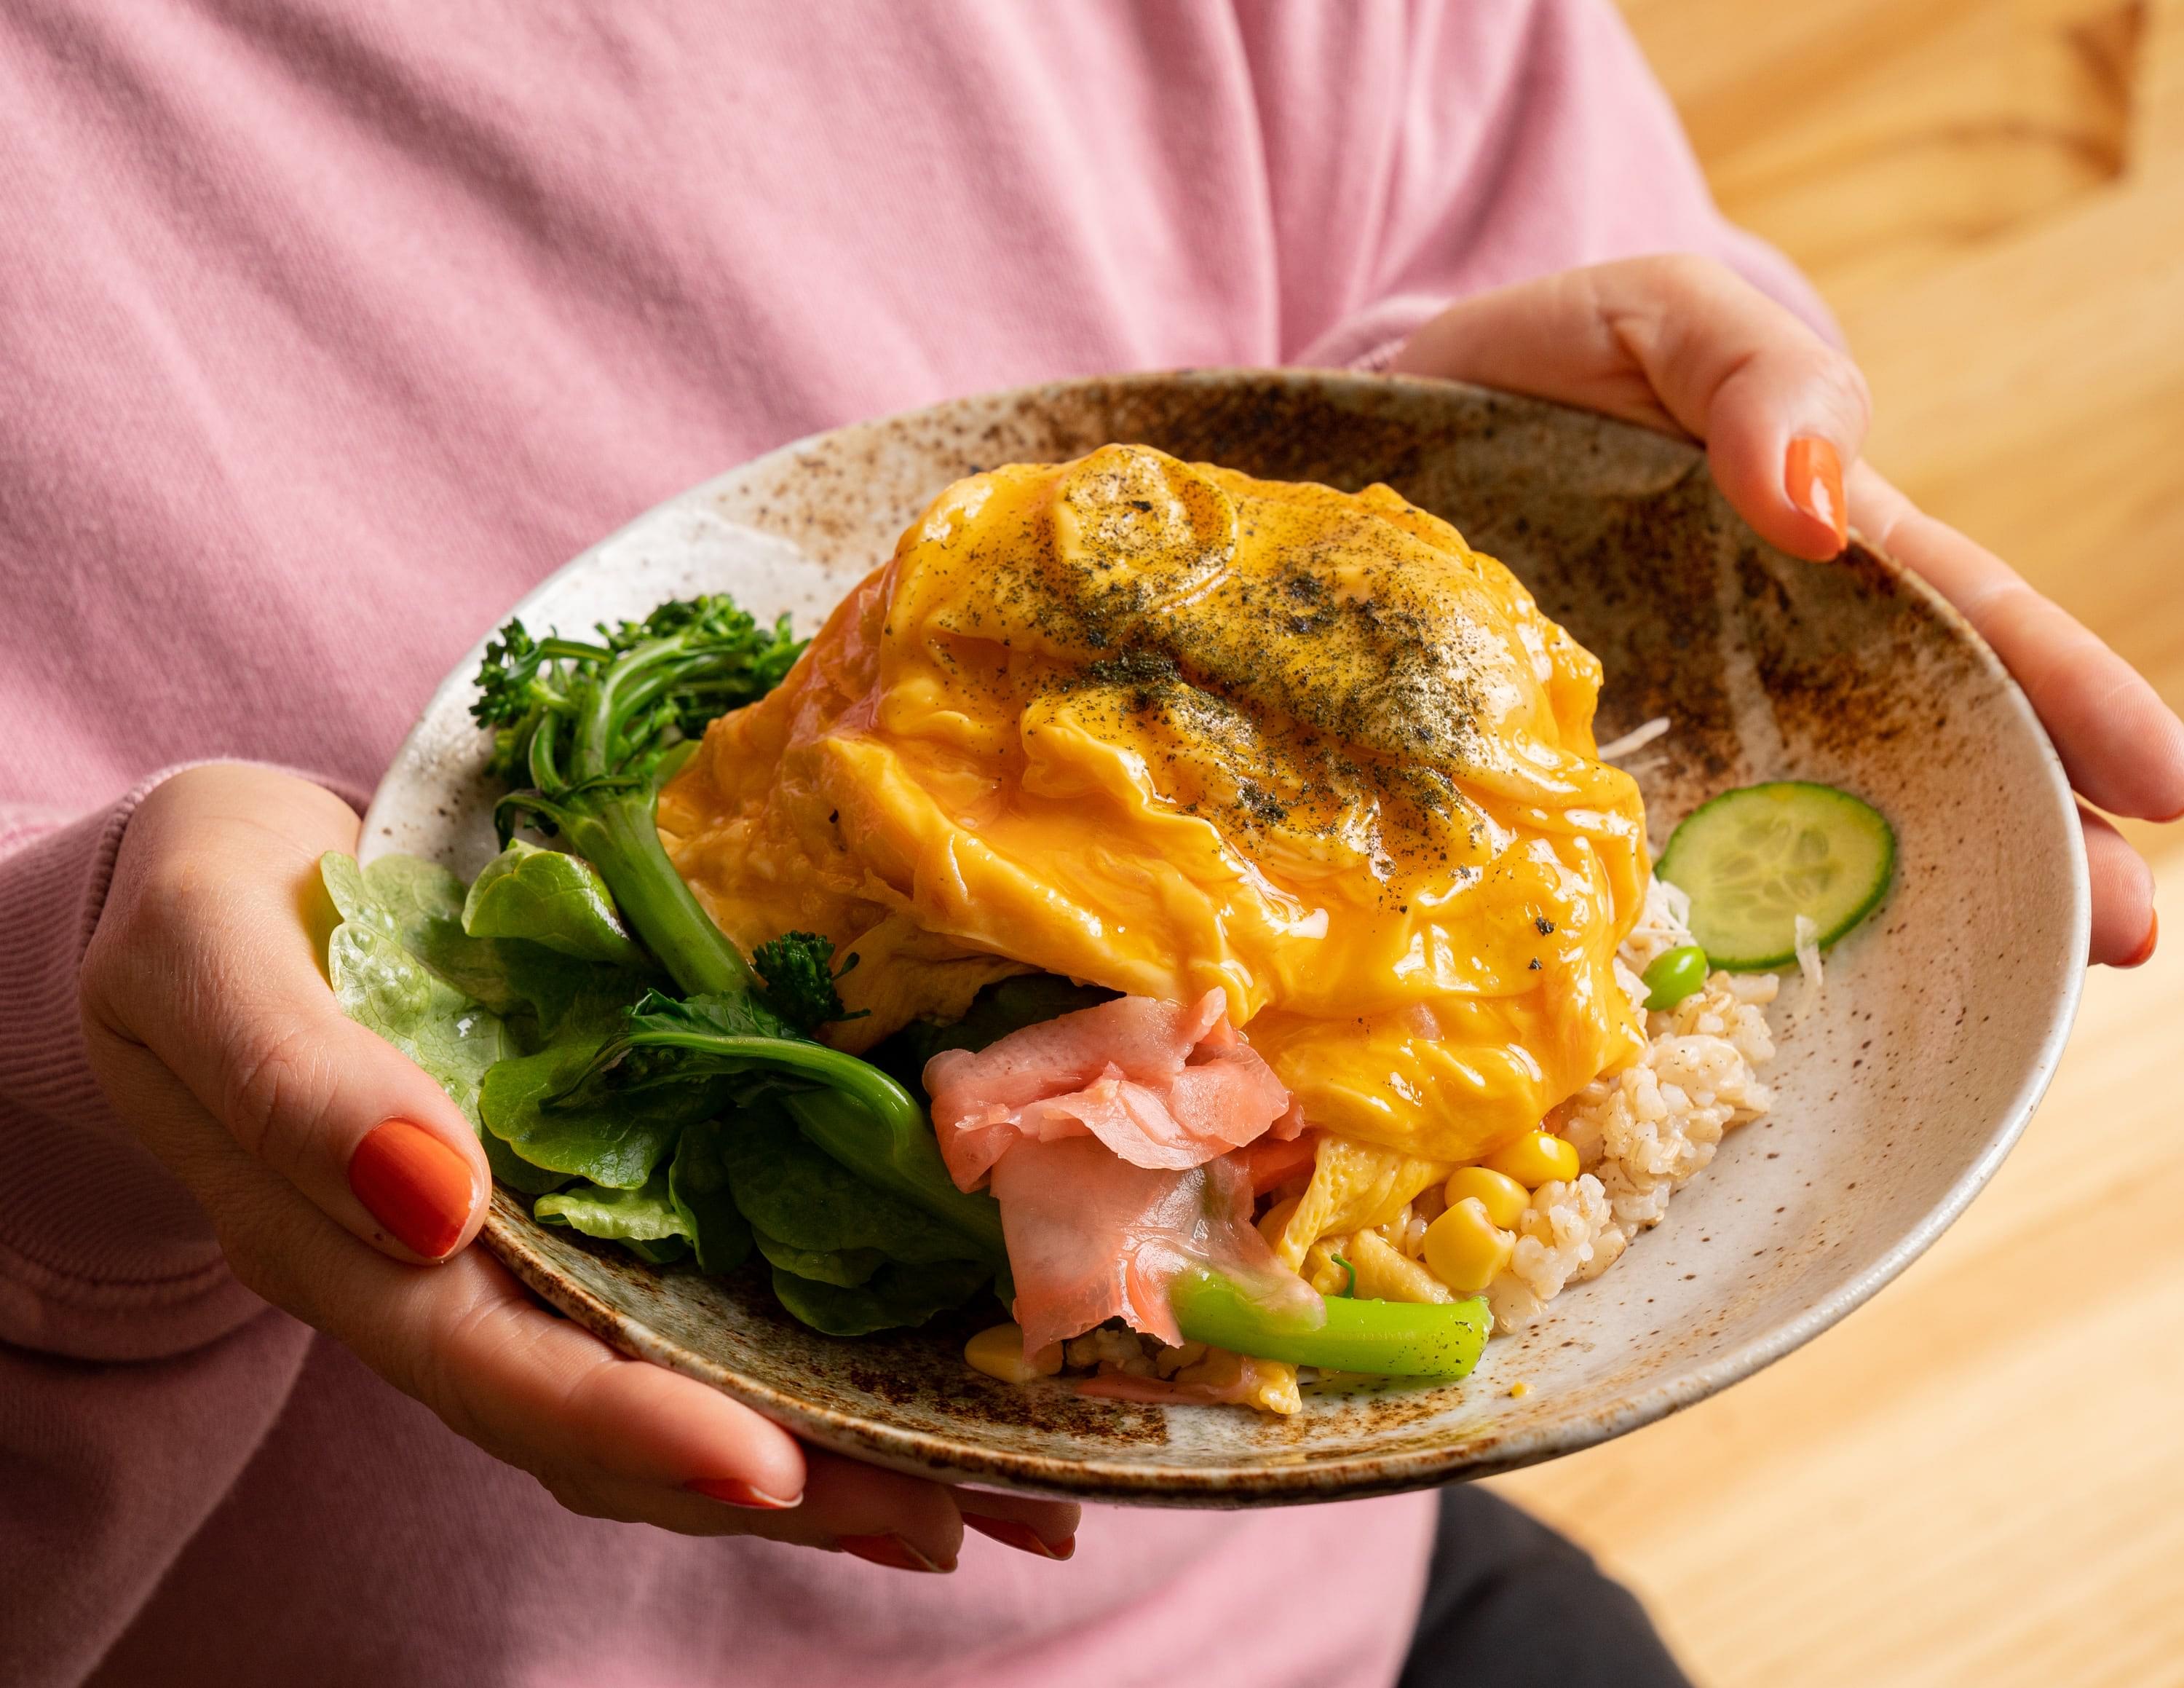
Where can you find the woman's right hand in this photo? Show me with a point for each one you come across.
(344, 1186)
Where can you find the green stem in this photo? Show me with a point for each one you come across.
(621, 841)
(864, 1120)
(1381, 1339)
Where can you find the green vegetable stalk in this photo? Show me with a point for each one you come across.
(856, 1112)
(600, 727)
(1381, 1339)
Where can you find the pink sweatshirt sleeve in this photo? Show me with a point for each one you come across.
(1515, 141)
(106, 1469)
(103, 1255)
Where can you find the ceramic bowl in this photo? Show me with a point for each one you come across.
(1899, 1087)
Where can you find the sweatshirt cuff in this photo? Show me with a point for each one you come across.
(1369, 340)
(104, 1255)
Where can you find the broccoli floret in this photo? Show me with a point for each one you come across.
(800, 974)
(599, 727)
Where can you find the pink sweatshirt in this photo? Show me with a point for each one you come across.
(324, 334)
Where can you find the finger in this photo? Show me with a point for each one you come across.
(205, 959)
(631, 1439)
(1685, 345)
(2122, 746)
(2124, 929)
(607, 1435)
(1046, 1529)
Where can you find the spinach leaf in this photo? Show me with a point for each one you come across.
(803, 1198)
(893, 1296)
(850, 1109)
(845, 1268)
(551, 899)
(697, 1184)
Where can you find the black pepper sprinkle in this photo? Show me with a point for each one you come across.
(1535, 964)
(1327, 682)
(1545, 926)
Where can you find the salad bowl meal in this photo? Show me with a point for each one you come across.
(1219, 939)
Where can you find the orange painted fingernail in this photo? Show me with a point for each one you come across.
(1021, 1536)
(735, 1492)
(2138, 957)
(1812, 477)
(414, 1185)
(890, 1551)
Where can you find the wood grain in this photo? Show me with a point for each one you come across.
(1979, 1478)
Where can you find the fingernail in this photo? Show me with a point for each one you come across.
(736, 1492)
(414, 1185)
(890, 1551)
(1812, 477)
(1021, 1536)
(2138, 957)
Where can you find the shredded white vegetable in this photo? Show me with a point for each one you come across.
(1637, 739)
(1809, 952)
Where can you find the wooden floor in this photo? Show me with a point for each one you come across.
(1979, 1477)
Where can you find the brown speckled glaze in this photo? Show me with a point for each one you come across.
(1898, 1090)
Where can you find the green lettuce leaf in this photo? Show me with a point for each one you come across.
(550, 898)
(537, 992)
(894, 1296)
(646, 1214)
(554, 1111)
(380, 984)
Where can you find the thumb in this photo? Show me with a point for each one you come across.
(203, 985)
(1685, 345)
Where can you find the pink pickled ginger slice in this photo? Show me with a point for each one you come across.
(1163, 1086)
(1091, 1236)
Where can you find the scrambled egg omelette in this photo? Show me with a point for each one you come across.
(1166, 728)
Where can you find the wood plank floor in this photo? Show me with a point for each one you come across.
(1979, 1478)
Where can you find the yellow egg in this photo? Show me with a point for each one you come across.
(1166, 728)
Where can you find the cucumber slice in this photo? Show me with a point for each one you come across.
(1754, 859)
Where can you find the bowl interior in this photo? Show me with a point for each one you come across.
(1899, 1086)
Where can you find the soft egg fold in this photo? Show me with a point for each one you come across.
(1165, 728)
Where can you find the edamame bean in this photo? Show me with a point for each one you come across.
(1674, 975)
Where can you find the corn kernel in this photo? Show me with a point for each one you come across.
(1502, 1197)
(1534, 1159)
(999, 1352)
(1466, 1248)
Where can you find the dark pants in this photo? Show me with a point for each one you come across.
(1510, 1604)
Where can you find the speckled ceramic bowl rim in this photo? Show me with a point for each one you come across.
(1308, 1478)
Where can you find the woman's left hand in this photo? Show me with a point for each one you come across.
(1684, 345)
